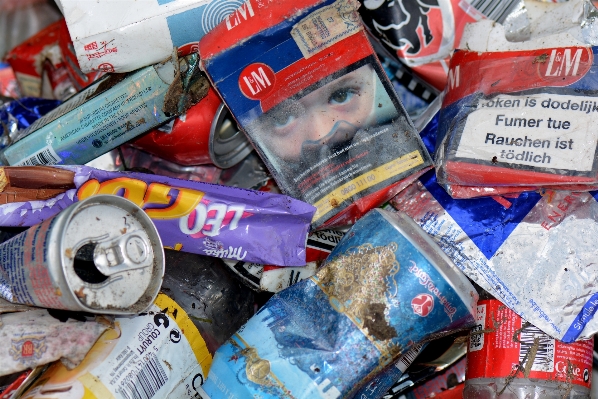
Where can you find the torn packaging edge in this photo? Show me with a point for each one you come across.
(109, 113)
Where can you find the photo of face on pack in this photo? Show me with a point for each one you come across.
(327, 118)
(317, 106)
(328, 123)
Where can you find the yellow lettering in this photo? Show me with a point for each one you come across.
(143, 196)
(89, 188)
(185, 202)
(134, 190)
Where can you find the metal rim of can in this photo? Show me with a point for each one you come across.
(150, 293)
(226, 151)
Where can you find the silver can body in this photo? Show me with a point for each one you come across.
(47, 265)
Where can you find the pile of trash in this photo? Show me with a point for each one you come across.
(298, 199)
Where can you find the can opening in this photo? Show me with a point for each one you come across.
(85, 267)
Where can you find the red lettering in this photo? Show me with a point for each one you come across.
(546, 225)
(554, 217)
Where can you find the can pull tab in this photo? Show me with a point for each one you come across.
(127, 252)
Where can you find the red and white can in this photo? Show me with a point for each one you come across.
(510, 358)
(206, 134)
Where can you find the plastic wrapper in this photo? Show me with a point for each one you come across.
(160, 353)
(213, 298)
(113, 36)
(538, 25)
(20, 114)
(109, 113)
(383, 288)
(36, 337)
(552, 234)
(192, 216)
(320, 112)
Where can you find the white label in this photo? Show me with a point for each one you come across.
(476, 338)
(541, 130)
(409, 357)
(544, 356)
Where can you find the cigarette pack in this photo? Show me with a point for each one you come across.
(109, 113)
(121, 36)
(520, 118)
(303, 82)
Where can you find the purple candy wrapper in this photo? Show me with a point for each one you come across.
(191, 216)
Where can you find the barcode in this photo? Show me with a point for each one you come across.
(408, 358)
(146, 382)
(46, 156)
(496, 10)
(544, 358)
(476, 337)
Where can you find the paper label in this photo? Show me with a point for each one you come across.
(476, 339)
(327, 26)
(541, 130)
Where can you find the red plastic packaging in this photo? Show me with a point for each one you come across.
(48, 47)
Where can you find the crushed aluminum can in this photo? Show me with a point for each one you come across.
(165, 352)
(508, 354)
(133, 159)
(384, 381)
(27, 58)
(205, 134)
(41, 267)
(385, 287)
(8, 82)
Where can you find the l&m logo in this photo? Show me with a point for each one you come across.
(257, 81)
(422, 304)
(565, 62)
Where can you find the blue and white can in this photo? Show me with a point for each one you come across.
(385, 287)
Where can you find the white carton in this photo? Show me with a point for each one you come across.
(124, 35)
